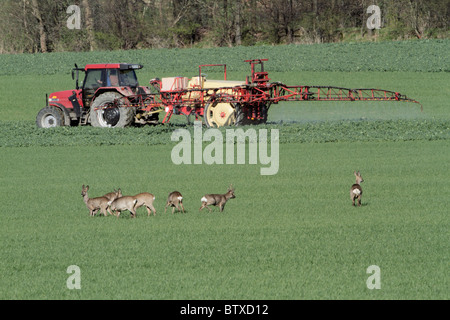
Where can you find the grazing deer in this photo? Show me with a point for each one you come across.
(113, 196)
(217, 200)
(356, 190)
(174, 200)
(132, 203)
(124, 203)
(145, 199)
(94, 204)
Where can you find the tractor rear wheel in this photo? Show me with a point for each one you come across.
(105, 114)
(219, 112)
(50, 117)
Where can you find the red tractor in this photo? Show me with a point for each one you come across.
(102, 85)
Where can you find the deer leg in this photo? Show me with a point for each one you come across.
(204, 206)
(150, 208)
(182, 207)
(109, 210)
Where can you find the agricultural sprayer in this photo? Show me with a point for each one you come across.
(110, 96)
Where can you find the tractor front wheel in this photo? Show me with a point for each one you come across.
(50, 117)
(107, 114)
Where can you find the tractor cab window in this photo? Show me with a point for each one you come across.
(97, 78)
(113, 76)
(94, 78)
(127, 78)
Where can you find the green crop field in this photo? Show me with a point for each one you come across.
(292, 235)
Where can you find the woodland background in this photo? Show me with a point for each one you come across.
(29, 26)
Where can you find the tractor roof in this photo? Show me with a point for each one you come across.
(121, 66)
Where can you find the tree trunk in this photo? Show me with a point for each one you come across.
(238, 38)
(42, 32)
(89, 25)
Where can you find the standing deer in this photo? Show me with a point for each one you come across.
(356, 190)
(217, 200)
(124, 203)
(94, 204)
(113, 195)
(174, 200)
(132, 203)
(145, 199)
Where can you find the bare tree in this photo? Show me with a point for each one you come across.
(42, 31)
(89, 23)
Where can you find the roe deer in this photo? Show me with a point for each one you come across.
(175, 200)
(356, 190)
(124, 203)
(113, 195)
(145, 199)
(132, 203)
(94, 204)
(217, 200)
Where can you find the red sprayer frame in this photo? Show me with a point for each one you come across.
(253, 98)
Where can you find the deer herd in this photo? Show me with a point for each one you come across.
(114, 202)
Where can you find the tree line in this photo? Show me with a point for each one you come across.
(47, 26)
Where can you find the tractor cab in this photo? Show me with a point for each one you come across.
(105, 76)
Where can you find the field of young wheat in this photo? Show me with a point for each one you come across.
(291, 235)
(414, 56)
